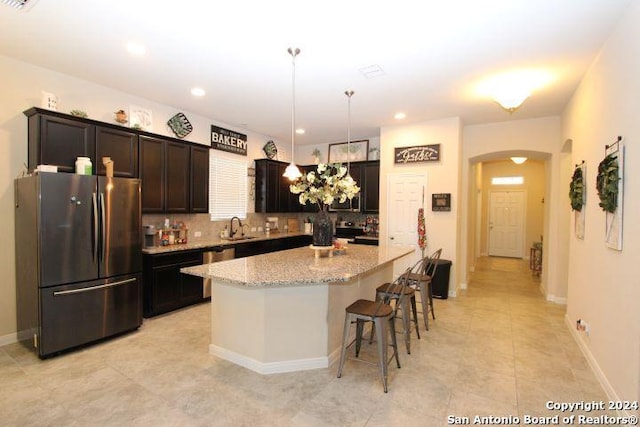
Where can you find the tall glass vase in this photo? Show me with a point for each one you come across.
(323, 228)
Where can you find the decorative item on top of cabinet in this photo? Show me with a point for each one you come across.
(121, 117)
(140, 118)
(270, 149)
(180, 125)
(78, 113)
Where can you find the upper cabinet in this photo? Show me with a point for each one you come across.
(199, 179)
(272, 189)
(273, 195)
(58, 139)
(175, 176)
(370, 186)
(174, 173)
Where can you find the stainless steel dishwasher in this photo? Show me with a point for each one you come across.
(212, 255)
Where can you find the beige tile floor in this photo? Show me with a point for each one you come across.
(497, 349)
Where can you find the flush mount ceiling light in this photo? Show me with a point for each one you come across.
(136, 49)
(512, 88)
(300, 131)
(197, 91)
(292, 172)
(518, 160)
(400, 115)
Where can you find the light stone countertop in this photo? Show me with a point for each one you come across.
(207, 243)
(299, 266)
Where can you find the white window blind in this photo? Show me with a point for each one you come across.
(227, 188)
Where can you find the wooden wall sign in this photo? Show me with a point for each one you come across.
(228, 140)
(441, 202)
(418, 154)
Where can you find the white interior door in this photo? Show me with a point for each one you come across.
(406, 196)
(506, 223)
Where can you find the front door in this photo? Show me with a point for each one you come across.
(406, 196)
(506, 223)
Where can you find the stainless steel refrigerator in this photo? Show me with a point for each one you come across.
(78, 259)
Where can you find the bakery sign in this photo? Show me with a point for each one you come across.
(418, 154)
(228, 140)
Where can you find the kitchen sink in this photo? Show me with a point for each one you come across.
(236, 238)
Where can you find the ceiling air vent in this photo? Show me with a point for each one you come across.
(19, 4)
(372, 71)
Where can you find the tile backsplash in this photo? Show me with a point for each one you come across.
(211, 229)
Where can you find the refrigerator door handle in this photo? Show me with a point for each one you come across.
(104, 231)
(95, 228)
(93, 288)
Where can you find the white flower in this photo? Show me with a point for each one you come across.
(325, 185)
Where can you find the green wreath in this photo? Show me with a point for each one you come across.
(576, 190)
(607, 183)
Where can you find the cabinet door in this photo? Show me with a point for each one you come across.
(152, 164)
(200, 179)
(273, 187)
(177, 168)
(166, 289)
(58, 141)
(371, 182)
(122, 147)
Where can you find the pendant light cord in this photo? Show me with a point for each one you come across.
(293, 54)
(349, 94)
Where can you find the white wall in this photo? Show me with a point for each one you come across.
(21, 89)
(442, 177)
(604, 288)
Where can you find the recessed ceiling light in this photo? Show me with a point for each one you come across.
(300, 131)
(400, 115)
(197, 91)
(136, 48)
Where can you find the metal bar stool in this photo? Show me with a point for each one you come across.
(403, 296)
(421, 281)
(381, 315)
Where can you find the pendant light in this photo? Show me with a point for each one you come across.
(349, 94)
(292, 172)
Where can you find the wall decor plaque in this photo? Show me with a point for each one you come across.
(228, 140)
(417, 154)
(441, 202)
(180, 125)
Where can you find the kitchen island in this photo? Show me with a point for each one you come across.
(284, 311)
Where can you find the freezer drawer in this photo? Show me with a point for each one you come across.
(73, 315)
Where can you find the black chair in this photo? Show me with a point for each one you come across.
(381, 315)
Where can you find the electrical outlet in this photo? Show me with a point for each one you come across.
(259, 229)
(197, 234)
(253, 229)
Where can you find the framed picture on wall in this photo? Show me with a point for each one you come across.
(354, 151)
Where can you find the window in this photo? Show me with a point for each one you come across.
(507, 180)
(227, 188)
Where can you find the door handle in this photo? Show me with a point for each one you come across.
(95, 228)
(104, 232)
(391, 238)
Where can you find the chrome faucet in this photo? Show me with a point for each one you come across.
(233, 233)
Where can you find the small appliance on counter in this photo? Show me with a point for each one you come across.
(151, 237)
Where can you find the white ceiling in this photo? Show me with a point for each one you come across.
(432, 53)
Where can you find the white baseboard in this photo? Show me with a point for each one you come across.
(270, 367)
(8, 339)
(557, 300)
(593, 363)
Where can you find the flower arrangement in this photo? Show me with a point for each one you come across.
(324, 185)
(422, 231)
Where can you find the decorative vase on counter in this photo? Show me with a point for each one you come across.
(323, 228)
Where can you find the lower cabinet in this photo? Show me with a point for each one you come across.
(265, 246)
(165, 288)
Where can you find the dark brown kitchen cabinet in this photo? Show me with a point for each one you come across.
(177, 167)
(152, 160)
(165, 288)
(121, 146)
(58, 140)
(272, 189)
(199, 179)
(165, 174)
(370, 176)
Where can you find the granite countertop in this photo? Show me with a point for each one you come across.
(298, 266)
(207, 243)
